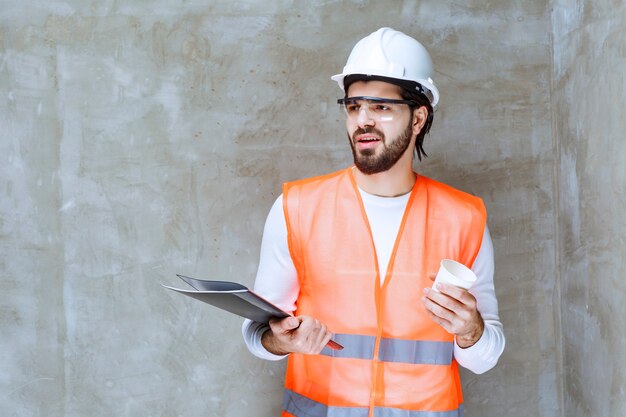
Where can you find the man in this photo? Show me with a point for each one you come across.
(354, 253)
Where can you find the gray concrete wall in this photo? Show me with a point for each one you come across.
(590, 121)
(143, 139)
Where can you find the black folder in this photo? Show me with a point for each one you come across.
(232, 297)
(237, 299)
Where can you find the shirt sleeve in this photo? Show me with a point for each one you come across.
(484, 354)
(276, 279)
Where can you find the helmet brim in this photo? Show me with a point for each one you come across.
(425, 86)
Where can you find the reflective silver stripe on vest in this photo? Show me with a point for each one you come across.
(396, 412)
(418, 352)
(354, 346)
(301, 406)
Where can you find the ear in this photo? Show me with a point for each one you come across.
(419, 119)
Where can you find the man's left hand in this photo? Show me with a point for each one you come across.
(455, 310)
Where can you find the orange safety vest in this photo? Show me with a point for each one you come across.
(396, 362)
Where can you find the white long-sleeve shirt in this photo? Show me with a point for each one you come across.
(277, 279)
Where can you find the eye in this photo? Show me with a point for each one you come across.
(382, 107)
(352, 107)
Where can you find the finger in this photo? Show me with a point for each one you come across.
(291, 323)
(312, 333)
(324, 337)
(325, 340)
(307, 325)
(432, 276)
(447, 326)
(463, 299)
(449, 300)
(438, 309)
(456, 314)
(441, 298)
(317, 335)
(452, 290)
(315, 338)
(285, 325)
(321, 336)
(450, 322)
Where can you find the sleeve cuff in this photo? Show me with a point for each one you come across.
(474, 357)
(484, 354)
(253, 332)
(477, 348)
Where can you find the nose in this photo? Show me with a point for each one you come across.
(364, 118)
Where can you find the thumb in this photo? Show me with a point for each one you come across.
(290, 323)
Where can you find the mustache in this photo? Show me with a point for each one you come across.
(368, 129)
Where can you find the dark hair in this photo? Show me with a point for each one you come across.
(421, 100)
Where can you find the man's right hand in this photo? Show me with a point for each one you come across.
(302, 334)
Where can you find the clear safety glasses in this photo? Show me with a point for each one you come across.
(377, 108)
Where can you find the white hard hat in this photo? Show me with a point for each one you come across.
(389, 54)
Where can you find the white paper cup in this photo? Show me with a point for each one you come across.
(454, 273)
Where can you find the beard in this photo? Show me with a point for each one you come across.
(368, 162)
